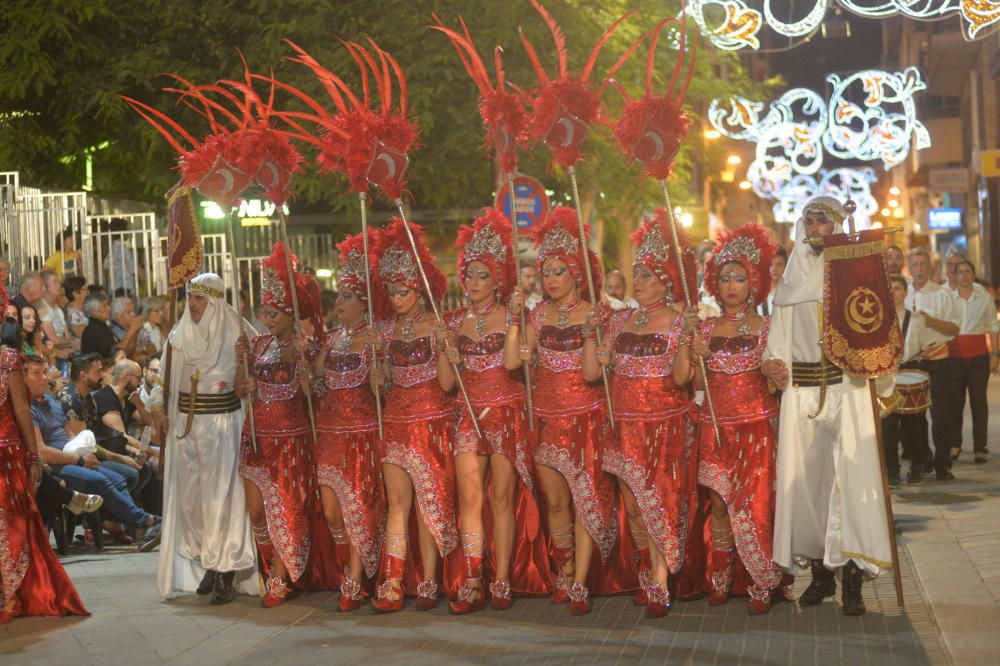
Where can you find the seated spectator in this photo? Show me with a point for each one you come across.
(30, 290)
(125, 324)
(97, 337)
(154, 330)
(81, 472)
(66, 260)
(31, 332)
(53, 320)
(76, 292)
(85, 377)
(113, 408)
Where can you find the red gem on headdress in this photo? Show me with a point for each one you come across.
(387, 170)
(567, 131)
(224, 183)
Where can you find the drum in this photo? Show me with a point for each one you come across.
(915, 388)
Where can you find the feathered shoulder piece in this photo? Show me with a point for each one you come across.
(503, 112)
(565, 105)
(751, 247)
(397, 263)
(489, 239)
(651, 128)
(654, 249)
(351, 273)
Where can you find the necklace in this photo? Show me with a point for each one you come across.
(347, 336)
(642, 317)
(480, 316)
(741, 318)
(407, 323)
(562, 321)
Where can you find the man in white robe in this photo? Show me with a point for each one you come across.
(830, 508)
(206, 530)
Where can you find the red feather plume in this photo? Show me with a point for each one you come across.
(565, 107)
(504, 114)
(651, 128)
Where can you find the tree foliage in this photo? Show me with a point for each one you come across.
(63, 65)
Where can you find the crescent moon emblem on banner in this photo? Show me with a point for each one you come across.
(658, 142)
(273, 169)
(570, 131)
(390, 165)
(230, 181)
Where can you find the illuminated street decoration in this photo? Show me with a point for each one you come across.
(736, 24)
(838, 183)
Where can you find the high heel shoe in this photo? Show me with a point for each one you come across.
(658, 600)
(277, 592)
(500, 597)
(760, 600)
(563, 580)
(393, 583)
(579, 596)
(721, 566)
(351, 595)
(472, 585)
(645, 577)
(10, 611)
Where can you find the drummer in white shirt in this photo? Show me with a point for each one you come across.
(908, 427)
(977, 317)
(937, 308)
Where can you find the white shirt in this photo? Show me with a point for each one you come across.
(916, 335)
(937, 302)
(978, 313)
(627, 304)
(532, 301)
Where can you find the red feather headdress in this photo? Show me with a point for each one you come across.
(652, 127)
(276, 287)
(489, 239)
(396, 263)
(503, 112)
(654, 249)
(751, 247)
(352, 273)
(558, 237)
(565, 106)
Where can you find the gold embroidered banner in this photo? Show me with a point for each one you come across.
(183, 240)
(861, 332)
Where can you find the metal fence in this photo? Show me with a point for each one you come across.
(124, 253)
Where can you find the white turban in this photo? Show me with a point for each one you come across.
(210, 341)
(802, 280)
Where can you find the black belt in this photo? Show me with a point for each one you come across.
(213, 403)
(809, 375)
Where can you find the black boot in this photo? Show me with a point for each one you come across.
(852, 578)
(225, 591)
(823, 585)
(207, 583)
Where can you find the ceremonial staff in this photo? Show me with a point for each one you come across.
(237, 287)
(363, 199)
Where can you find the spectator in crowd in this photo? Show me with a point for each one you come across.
(614, 287)
(4, 270)
(66, 260)
(125, 324)
(529, 285)
(30, 290)
(894, 260)
(120, 262)
(154, 328)
(84, 379)
(82, 473)
(951, 264)
(114, 405)
(53, 319)
(97, 337)
(31, 333)
(76, 292)
(777, 269)
(150, 378)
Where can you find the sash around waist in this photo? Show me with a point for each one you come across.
(212, 403)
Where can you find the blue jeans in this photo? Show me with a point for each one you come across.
(107, 483)
(135, 478)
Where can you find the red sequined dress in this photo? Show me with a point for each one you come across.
(572, 434)
(653, 453)
(29, 569)
(499, 400)
(742, 468)
(347, 451)
(282, 466)
(417, 432)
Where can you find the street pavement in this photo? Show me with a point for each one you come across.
(949, 538)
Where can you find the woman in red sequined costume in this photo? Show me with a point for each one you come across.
(486, 265)
(348, 463)
(570, 413)
(417, 433)
(32, 581)
(277, 464)
(653, 454)
(737, 469)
